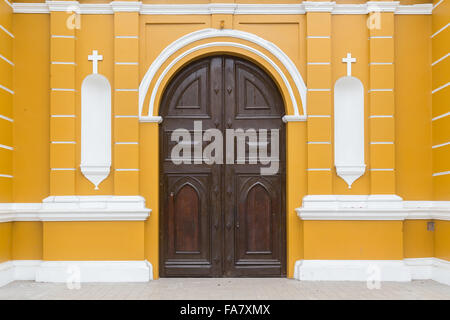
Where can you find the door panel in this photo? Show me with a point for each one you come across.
(222, 219)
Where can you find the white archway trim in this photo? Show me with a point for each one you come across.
(214, 33)
(158, 119)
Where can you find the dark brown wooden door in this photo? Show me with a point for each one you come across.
(222, 219)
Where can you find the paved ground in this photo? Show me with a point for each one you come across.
(227, 289)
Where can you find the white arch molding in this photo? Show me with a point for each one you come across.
(214, 33)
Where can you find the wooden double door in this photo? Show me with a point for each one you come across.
(221, 220)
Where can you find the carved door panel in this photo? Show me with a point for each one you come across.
(222, 219)
(254, 208)
(190, 202)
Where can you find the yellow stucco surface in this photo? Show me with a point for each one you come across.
(102, 240)
(134, 38)
(353, 240)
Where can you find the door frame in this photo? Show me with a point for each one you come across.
(276, 64)
(162, 195)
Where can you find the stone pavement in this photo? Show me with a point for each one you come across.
(227, 289)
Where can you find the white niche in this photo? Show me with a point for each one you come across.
(95, 128)
(349, 129)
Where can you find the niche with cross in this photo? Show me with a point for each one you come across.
(349, 126)
(95, 125)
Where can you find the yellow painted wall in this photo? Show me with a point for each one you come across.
(92, 241)
(442, 240)
(6, 102)
(31, 107)
(5, 241)
(441, 123)
(418, 241)
(26, 240)
(413, 107)
(441, 98)
(411, 129)
(353, 240)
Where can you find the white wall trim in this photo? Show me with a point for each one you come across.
(429, 268)
(293, 118)
(351, 270)
(72, 271)
(222, 8)
(126, 6)
(209, 33)
(365, 270)
(94, 271)
(370, 207)
(77, 208)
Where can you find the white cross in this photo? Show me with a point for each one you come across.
(95, 57)
(349, 60)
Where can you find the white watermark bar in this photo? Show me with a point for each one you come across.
(189, 148)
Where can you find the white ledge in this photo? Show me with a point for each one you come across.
(294, 118)
(77, 208)
(370, 207)
(152, 119)
(221, 8)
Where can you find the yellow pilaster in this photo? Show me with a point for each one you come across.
(6, 102)
(381, 100)
(62, 105)
(440, 40)
(319, 134)
(126, 114)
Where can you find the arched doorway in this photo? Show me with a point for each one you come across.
(222, 219)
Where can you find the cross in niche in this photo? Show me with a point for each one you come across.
(95, 58)
(349, 60)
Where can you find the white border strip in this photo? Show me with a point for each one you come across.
(6, 147)
(440, 59)
(6, 31)
(77, 208)
(361, 270)
(223, 8)
(370, 207)
(6, 118)
(89, 271)
(441, 116)
(440, 145)
(7, 60)
(438, 174)
(6, 89)
(9, 3)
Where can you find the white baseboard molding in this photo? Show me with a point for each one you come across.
(429, 268)
(6, 273)
(364, 270)
(75, 271)
(351, 270)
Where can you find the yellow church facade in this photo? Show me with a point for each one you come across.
(90, 89)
